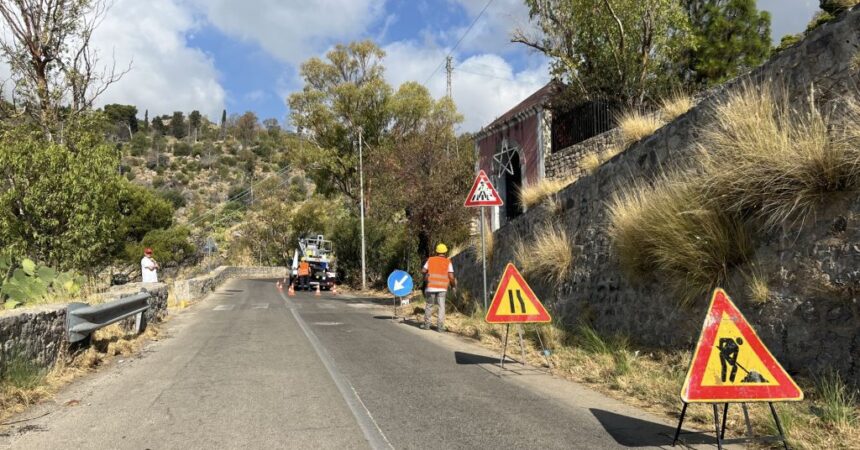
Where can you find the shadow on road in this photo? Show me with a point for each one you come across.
(470, 358)
(633, 432)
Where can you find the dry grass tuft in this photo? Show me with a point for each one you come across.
(635, 126)
(533, 194)
(855, 61)
(549, 255)
(674, 106)
(775, 163)
(590, 162)
(670, 229)
(757, 286)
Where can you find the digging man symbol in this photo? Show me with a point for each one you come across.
(729, 357)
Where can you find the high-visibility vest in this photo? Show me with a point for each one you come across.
(437, 272)
(304, 268)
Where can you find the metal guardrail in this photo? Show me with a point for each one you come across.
(82, 319)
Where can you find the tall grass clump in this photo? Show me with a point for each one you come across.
(675, 105)
(488, 241)
(548, 255)
(21, 373)
(671, 230)
(534, 193)
(634, 125)
(838, 402)
(774, 163)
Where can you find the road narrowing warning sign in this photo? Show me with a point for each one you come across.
(731, 364)
(515, 302)
(483, 193)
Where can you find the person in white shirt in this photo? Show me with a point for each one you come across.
(148, 267)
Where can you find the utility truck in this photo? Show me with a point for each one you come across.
(319, 254)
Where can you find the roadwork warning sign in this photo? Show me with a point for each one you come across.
(515, 302)
(731, 364)
(483, 193)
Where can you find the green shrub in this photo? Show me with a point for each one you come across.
(181, 149)
(174, 196)
(157, 182)
(838, 402)
(169, 246)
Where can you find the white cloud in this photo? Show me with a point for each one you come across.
(484, 85)
(292, 30)
(492, 32)
(167, 75)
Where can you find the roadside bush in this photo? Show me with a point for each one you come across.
(174, 196)
(170, 246)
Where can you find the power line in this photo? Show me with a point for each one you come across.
(459, 41)
(235, 197)
(460, 69)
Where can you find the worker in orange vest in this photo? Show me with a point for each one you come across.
(438, 275)
(304, 273)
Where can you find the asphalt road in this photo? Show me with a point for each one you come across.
(249, 368)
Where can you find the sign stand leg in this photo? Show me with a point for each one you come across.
(680, 423)
(543, 349)
(717, 426)
(725, 415)
(394, 304)
(522, 346)
(778, 425)
(484, 253)
(505, 346)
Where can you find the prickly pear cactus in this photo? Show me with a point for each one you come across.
(32, 283)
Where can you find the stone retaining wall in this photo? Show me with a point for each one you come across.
(811, 320)
(568, 161)
(196, 288)
(38, 333)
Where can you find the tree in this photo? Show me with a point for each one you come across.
(177, 125)
(730, 36)
(615, 49)
(246, 127)
(141, 211)
(124, 117)
(194, 123)
(341, 95)
(55, 71)
(158, 126)
(429, 171)
(146, 120)
(59, 200)
(273, 128)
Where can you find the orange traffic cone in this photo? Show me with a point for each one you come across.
(280, 286)
(318, 291)
(291, 291)
(334, 289)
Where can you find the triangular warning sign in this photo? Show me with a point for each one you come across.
(483, 193)
(515, 302)
(731, 364)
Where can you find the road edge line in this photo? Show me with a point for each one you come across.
(372, 433)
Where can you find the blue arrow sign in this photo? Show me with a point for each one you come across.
(400, 283)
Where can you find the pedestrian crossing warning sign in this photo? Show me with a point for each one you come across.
(731, 364)
(515, 302)
(483, 193)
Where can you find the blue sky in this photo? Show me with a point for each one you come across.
(244, 55)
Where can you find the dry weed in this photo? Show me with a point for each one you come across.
(776, 163)
(488, 242)
(674, 106)
(670, 229)
(548, 255)
(590, 162)
(635, 126)
(535, 193)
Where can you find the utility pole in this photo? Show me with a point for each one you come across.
(449, 69)
(361, 189)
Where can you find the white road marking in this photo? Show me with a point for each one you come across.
(224, 308)
(261, 306)
(360, 305)
(329, 324)
(326, 306)
(372, 432)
